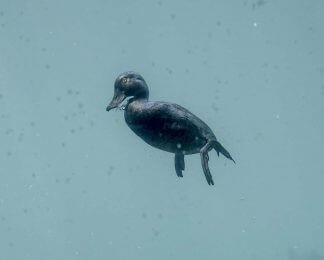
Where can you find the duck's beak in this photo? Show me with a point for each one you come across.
(118, 98)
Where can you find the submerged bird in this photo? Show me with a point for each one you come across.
(164, 125)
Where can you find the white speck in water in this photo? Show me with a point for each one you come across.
(277, 116)
(196, 138)
(255, 24)
(178, 145)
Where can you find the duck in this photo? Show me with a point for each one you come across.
(163, 125)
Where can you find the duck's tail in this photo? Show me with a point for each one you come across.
(220, 149)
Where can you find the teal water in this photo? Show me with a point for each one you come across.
(76, 183)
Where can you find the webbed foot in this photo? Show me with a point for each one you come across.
(179, 164)
(204, 162)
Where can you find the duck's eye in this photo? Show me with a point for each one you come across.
(124, 80)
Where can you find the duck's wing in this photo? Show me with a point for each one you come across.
(172, 122)
(163, 116)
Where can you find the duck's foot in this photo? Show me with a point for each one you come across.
(179, 164)
(204, 162)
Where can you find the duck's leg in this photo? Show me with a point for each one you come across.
(204, 161)
(179, 164)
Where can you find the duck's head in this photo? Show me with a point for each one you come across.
(128, 84)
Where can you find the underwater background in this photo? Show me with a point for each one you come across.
(77, 183)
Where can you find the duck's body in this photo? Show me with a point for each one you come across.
(164, 125)
(167, 126)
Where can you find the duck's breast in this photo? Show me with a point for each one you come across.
(166, 126)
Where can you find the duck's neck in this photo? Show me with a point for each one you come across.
(142, 95)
